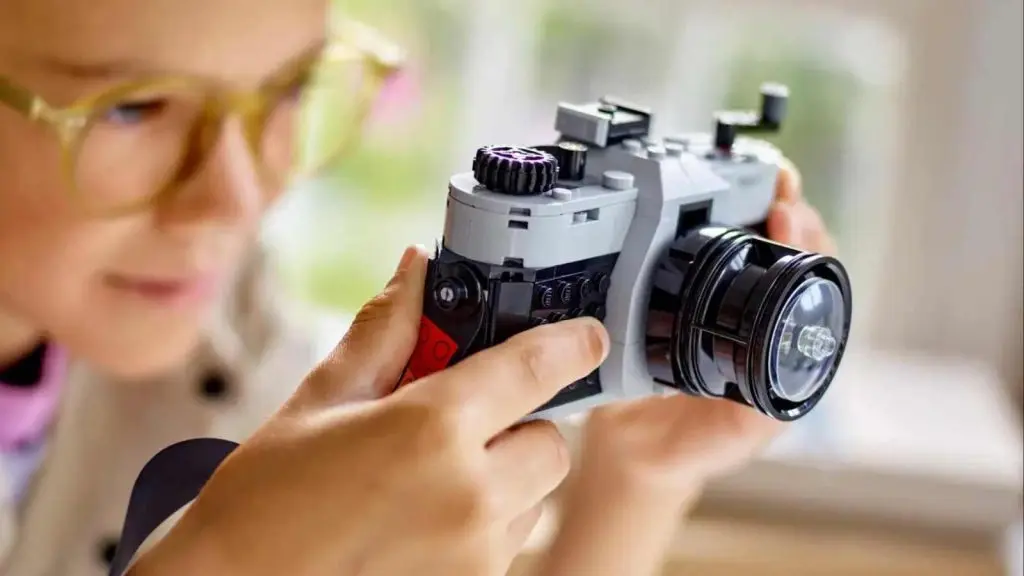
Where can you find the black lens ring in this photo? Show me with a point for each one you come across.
(782, 279)
(708, 262)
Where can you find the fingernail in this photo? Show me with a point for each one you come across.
(407, 256)
(789, 185)
(598, 335)
(794, 231)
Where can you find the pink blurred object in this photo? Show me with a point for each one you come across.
(25, 413)
(397, 99)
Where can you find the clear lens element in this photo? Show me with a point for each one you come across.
(804, 342)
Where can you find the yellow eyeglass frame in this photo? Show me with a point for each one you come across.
(353, 42)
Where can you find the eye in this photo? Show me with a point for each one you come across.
(296, 90)
(129, 113)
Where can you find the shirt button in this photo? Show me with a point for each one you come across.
(214, 386)
(107, 550)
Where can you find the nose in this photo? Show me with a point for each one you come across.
(221, 188)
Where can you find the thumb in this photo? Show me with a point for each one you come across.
(783, 225)
(370, 358)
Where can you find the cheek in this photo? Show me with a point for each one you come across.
(56, 283)
(50, 268)
(41, 248)
(37, 254)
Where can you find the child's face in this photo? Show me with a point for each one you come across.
(130, 292)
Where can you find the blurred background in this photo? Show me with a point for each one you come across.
(906, 123)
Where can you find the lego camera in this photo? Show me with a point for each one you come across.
(660, 238)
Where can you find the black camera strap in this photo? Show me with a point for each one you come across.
(168, 482)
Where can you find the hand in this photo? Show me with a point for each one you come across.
(681, 441)
(350, 479)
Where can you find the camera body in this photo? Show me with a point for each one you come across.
(659, 238)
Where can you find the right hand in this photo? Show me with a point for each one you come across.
(349, 478)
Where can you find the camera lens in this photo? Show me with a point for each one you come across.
(734, 315)
(803, 346)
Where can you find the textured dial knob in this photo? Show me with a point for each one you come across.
(514, 170)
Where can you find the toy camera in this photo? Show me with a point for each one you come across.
(662, 239)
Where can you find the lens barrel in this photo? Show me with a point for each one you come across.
(734, 315)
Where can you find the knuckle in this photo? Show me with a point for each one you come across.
(379, 307)
(440, 427)
(533, 359)
(593, 342)
(473, 507)
(555, 446)
(445, 427)
(430, 436)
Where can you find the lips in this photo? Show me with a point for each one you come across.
(167, 291)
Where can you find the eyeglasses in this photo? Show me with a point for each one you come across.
(155, 133)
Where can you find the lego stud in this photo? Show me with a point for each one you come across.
(674, 150)
(561, 194)
(681, 141)
(633, 146)
(774, 99)
(565, 291)
(586, 288)
(726, 130)
(572, 160)
(656, 152)
(731, 123)
(545, 296)
(616, 180)
(801, 351)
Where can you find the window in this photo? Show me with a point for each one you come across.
(904, 120)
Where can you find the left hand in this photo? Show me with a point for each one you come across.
(679, 442)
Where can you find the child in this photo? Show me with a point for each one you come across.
(135, 312)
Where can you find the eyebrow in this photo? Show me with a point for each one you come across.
(90, 70)
(116, 69)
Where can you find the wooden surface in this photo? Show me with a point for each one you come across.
(918, 473)
(733, 546)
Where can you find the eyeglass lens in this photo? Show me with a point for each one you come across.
(158, 137)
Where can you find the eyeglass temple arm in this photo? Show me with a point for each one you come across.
(21, 100)
(387, 56)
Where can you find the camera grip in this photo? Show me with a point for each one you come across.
(433, 353)
(451, 319)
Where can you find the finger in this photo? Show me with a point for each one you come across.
(815, 234)
(495, 388)
(520, 530)
(788, 185)
(526, 464)
(783, 225)
(800, 226)
(370, 358)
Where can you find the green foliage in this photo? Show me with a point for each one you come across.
(388, 169)
(344, 283)
(812, 137)
(577, 47)
(397, 169)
